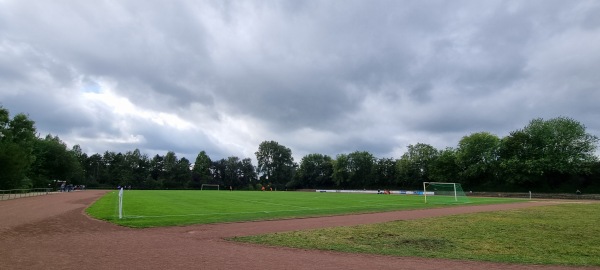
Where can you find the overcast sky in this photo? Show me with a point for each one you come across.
(327, 76)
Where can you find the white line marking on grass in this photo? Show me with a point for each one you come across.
(278, 204)
(264, 212)
(218, 214)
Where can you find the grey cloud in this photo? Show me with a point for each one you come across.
(421, 92)
(364, 73)
(591, 20)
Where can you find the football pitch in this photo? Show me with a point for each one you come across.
(156, 208)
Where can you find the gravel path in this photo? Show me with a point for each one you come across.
(53, 232)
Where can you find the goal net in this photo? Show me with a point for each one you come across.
(209, 187)
(444, 193)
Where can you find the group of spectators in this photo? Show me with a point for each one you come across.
(70, 187)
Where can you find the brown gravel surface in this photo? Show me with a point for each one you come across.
(53, 232)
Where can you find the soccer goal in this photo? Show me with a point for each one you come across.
(444, 193)
(209, 187)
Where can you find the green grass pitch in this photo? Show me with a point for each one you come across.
(174, 208)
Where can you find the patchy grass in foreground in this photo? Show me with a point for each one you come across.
(565, 234)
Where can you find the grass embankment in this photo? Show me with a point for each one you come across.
(565, 234)
(173, 208)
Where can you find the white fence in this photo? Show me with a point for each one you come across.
(402, 192)
(10, 194)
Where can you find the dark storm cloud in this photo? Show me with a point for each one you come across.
(314, 77)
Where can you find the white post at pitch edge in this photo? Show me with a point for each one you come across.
(121, 203)
(455, 196)
(425, 192)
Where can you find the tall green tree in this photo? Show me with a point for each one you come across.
(170, 170)
(14, 165)
(385, 174)
(341, 171)
(219, 172)
(414, 166)
(182, 172)
(95, 171)
(361, 168)
(54, 162)
(138, 166)
(315, 171)
(80, 173)
(17, 141)
(4, 121)
(248, 173)
(478, 157)
(275, 164)
(445, 167)
(116, 169)
(157, 172)
(354, 170)
(23, 130)
(545, 152)
(201, 172)
(233, 173)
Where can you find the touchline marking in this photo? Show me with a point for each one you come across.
(267, 212)
(278, 204)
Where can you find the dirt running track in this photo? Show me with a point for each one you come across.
(53, 232)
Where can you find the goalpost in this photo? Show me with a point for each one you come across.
(440, 192)
(121, 203)
(209, 187)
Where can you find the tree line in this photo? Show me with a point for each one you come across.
(555, 155)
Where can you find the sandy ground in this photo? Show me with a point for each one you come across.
(53, 232)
